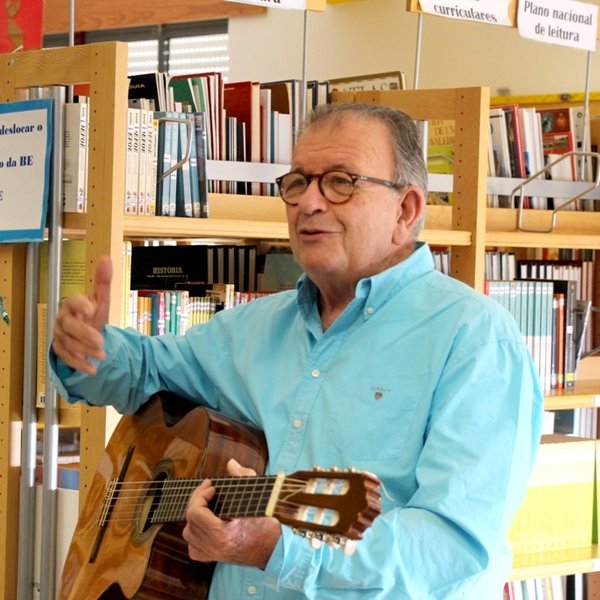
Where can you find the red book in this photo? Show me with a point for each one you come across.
(241, 100)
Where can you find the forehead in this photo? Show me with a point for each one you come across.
(350, 141)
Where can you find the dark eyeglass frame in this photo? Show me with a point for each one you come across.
(355, 178)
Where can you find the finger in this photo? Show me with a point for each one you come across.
(73, 328)
(76, 361)
(101, 293)
(75, 341)
(236, 470)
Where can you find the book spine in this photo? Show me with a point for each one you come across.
(570, 353)
(75, 148)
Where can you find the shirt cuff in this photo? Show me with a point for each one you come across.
(60, 374)
(292, 564)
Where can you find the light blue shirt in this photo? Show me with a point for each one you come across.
(421, 380)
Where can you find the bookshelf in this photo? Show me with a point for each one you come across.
(104, 67)
(467, 226)
(572, 230)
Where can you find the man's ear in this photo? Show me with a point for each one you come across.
(411, 205)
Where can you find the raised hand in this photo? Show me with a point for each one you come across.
(81, 320)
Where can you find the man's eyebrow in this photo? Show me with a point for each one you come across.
(335, 167)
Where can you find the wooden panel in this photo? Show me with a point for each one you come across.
(106, 14)
(12, 288)
(104, 218)
(51, 67)
(593, 586)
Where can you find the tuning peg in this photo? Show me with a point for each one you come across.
(315, 544)
(301, 532)
(333, 541)
(349, 547)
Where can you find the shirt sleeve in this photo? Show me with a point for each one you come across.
(136, 367)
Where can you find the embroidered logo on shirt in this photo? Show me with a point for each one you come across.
(378, 392)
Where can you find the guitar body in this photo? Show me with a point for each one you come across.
(131, 558)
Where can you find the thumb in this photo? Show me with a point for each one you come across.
(101, 293)
(236, 470)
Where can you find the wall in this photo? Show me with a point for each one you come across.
(367, 36)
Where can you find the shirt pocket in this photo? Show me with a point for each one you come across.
(379, 419)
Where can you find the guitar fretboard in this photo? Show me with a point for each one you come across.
(235, 497)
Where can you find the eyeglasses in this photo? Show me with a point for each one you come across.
(336, 186)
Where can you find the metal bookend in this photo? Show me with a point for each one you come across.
(546, 169)
(188, 147)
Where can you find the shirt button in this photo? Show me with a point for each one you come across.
(315, 373)
(251, 590)
(297, 423)
(370, 310)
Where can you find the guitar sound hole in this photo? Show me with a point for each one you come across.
(146, 520)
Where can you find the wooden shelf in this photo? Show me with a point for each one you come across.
(574, 229)
(585, 394)
(67, 417)
(263, 217)
(557, 562)
(251, 217)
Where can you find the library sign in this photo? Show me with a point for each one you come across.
(492, 12)
(561, 22)
(25, 150)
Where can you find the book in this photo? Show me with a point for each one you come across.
(72, 281)
(500, 149)
(440, 154)
(183, 92)
(241, 100)
(530, 125)
(558, 507)
(285, 99)
(75, 153)
(163, 267)
(157, 312)
(167, 153)
(391, 80)
(150, 86)
(183, 182)
(132, 160)
(200, 133)
(558, 138)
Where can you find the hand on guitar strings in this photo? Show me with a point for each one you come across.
(247, 541)
(80, 321)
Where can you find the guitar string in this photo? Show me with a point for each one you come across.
(128, 501)
(125, 515)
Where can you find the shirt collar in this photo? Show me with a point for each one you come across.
(378, 288)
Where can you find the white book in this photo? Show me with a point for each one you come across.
(133, 120)
(500, 149)
(75, 147)
(142, 180)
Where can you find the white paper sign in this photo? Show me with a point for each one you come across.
(285, 4)
(492, 12)
(25, 149)
(561, 22)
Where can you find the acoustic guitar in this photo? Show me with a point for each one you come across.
(127, 542)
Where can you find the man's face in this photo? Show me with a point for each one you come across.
(337, 244)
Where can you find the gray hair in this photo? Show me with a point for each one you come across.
(410, 165)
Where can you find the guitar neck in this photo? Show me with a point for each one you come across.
(235, 497)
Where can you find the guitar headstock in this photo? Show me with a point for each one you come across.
(331, 505)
